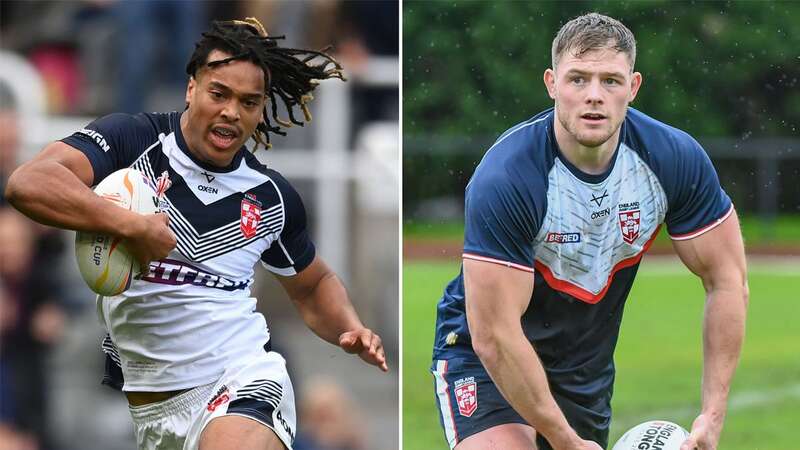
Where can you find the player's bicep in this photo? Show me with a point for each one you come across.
(68, 156)
(716, 256)
(496, 296)
(302, 284)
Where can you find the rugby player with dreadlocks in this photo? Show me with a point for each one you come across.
(184, 341)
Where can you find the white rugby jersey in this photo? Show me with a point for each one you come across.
(193, 315)
(581, 236)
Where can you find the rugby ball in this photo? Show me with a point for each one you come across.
(105, 263)
(653, 435)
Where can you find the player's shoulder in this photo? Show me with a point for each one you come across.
(521, 156)
(275, 179)
(140, 122)
(656, 139)
(525, 140)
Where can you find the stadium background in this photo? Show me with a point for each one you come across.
(65, 63)
(727, 73)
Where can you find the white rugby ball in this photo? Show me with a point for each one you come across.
(653, 435)
(104, 262)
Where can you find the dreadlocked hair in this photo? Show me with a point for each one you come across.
(289, 74)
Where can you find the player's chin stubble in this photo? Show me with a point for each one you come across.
(588, 138)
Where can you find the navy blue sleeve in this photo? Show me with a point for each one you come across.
(696, 201)
(294, 250)
(500, 222)
(113, 142)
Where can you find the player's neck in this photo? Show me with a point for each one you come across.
(194, 147)
(191, 145)
(590, 160)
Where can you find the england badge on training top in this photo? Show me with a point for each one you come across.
(629, 221)
(251, 215)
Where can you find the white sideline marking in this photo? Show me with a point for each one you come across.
(736, 402)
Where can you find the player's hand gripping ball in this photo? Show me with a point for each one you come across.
(653, 435)
(104, 262)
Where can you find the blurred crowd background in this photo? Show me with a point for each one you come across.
(65, 63)
(726, 72)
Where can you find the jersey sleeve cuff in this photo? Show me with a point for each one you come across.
(501, 262)
(702, 230)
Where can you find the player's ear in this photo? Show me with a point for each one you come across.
(550, 83)
(190, 87)
(636, 83)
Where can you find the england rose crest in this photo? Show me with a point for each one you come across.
(629, 223)
(251, 215)
(466, 396)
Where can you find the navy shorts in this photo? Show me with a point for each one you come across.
(469, 402)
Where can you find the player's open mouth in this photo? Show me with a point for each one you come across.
(593, 117)
(223, 137)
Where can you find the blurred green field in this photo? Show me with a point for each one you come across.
(658, 356)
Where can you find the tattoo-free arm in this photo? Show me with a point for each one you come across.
(717, 257)
(53, 189)
(496, 298)
(324, 305)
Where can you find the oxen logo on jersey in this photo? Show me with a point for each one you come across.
(629, 221)
(466, 396)
(600, 214)
(251, 215)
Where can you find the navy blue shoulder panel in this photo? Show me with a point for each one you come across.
(506, 197)
(295, 249)
(114, 141)
(506, 202)
(695, 199)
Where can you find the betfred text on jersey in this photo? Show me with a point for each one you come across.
(563, 238)
(170, 271)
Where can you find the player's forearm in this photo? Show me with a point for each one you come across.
(723, 334)
(327, 309)
(515, 368)
(51, 194)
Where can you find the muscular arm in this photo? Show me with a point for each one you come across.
(53, 189)
(717, 257)
(496, 298)
(324, 305)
